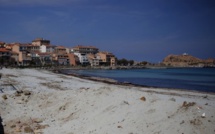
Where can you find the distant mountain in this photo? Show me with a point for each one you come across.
(186, 60)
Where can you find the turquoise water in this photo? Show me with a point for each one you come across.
(200, 79)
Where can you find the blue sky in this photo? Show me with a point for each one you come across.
(133, 29)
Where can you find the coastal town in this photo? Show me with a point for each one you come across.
(41, 53)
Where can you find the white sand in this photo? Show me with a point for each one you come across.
(70, 105)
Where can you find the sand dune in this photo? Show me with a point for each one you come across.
(39, 101)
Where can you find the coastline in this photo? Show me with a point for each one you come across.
(126, 83)
(58, 103)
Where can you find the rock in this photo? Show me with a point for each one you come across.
(28, 130)
(126, 102)
(4, 97)
(172, 99)
(18, 129)
(182, 122)
(13, 126)
(37, 120)
(38, 131)
(18, 93)
(119, 126)
(143, 98)
(189, 104)
(41, 127)
(195, 122)
(26, 92)
(20, 102)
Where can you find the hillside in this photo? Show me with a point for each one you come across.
(187, 61)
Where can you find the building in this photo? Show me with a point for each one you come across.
(40, 42)
(63, 59)
(45, 58)
(4, 56)
(2, 44)
(85, 49)
(43, 48)
(73, 59)
(60, 50)
(26, 58)
(15, 57)
(93, 59)
(82, 58)
(107, 58)
(50, 49)
(25, 47)
(34, 48)
(8, 57)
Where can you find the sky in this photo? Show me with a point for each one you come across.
(140, 30)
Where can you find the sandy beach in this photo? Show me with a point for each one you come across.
(42, 102)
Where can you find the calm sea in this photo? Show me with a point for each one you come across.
(199, 79)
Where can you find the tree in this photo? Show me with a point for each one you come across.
(125, 62)
(131, 62)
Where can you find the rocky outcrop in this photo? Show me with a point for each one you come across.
(187, 61)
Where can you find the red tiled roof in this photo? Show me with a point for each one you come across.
(103, 52)
(4, 50)
(2, 42)
(61, 47)
(80, 46)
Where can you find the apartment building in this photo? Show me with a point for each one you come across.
(5, 53)
(50, 49)
(60, 50)
(45, 58)
(43, 48)
(63, 59)
(40, 42)
(107, 58)
(85, 49)
(73, 59)
(7, 56)
(93, 59)
(82, 58)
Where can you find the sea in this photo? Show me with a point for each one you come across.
(196, 79)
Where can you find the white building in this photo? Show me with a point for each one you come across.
(43, 49)
(82, 58)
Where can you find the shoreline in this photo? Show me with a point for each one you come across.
(115, 82)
